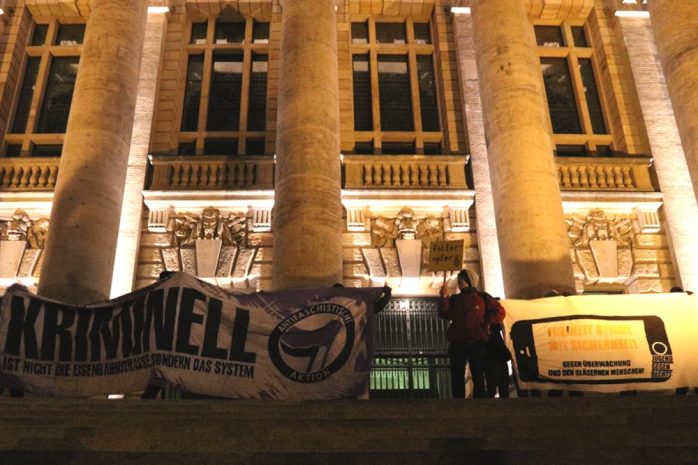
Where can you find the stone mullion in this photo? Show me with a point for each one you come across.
(375, 94)
(245, 87)
(206, 74)
(414, 87)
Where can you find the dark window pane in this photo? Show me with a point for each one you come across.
(255, 147)
(580, 38)
(561, 101)
(432, 148)
(70, 34)
(363, 112)
(39, 36)
(592, 97)
(187, 148)
(198, 33)
(192, 93)
(421, 33)
(549, 36)
(427, 93)
(13, 150)
(47, 150)
(395, 98)
(220, 147)
(364, 148)
(571, 151)
(398, 148)
(53, 117)
(359, 33)
(260, 33)
(391, 33)
(26, 94)
(257, 105)
(224, 100)
(604, 151)
(230, 33)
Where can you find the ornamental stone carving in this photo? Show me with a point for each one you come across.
(602, 246)
(384, 231)
(22, 240)
(211, 224)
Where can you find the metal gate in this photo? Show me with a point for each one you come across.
(411, 358)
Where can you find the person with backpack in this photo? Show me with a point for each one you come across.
(471, 314)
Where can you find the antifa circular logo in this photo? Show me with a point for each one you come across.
(312, 343)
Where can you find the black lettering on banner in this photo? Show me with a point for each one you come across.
(103, 331)
(53, 329)
(138, 324)
(213, 323)
(126, 329)
(81, 344)
(161, 315)
(186, 319)
(237, 345)
(22, 328)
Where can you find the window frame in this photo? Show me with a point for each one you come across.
(247, 49)
(572, 54)
(46, 53)
(411, 49)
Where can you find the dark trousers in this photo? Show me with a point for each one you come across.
(497, 375)
(475, 355)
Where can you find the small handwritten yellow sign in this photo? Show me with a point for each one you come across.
(446, 255)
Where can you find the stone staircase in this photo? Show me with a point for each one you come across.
(648, 430)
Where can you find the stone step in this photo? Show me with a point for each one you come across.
(656, 430)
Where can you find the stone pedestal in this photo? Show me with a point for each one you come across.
(307, 217)
(533, 243)
(79, 255)
(675, 26)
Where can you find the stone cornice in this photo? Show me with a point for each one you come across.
(72, 8)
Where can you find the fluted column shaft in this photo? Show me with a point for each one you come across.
(307, 220)
(79, 254)
(675, 26)
(533, 243)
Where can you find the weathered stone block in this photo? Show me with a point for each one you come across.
(374, 262)
(354, 269)
(356, 239)
(149, 270)
(156, 240)
(650, 241)
(259, 240)
(352, 254)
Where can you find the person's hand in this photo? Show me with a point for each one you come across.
(443, 292)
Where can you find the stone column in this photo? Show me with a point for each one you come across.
(79, 254)
(533, 243)
(307, 218)
(675, 25)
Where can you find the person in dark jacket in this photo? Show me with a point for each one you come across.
(468, 333)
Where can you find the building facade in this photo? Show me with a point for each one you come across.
(270, 144)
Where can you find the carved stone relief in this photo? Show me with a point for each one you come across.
(206, 244)
(603, 246)
(22, 241)
(384, 231)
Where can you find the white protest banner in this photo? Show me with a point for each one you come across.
(608, 343)
(446, 255)
(301, 344)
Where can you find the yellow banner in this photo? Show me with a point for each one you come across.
(606, 343)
